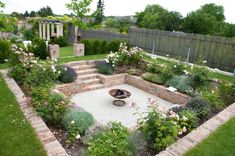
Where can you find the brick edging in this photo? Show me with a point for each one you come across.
(46, 137)
(199, 134)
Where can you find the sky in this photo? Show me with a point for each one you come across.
(121, 7)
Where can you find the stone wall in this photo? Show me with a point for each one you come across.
(158, 90)
(112, 80)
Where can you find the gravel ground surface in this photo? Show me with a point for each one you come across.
(100, 104)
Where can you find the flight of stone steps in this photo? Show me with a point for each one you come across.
(87, 75)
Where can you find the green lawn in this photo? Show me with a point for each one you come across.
(219, 143)
(88, 57)
(17, 137)
(66, 51)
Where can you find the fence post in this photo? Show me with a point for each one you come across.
(189, 49)
(153, 51)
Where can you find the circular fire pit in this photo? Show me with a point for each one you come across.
(119, 94)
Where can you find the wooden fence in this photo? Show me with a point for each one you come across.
(219, 52)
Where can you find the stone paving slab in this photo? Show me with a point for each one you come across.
(48, 140)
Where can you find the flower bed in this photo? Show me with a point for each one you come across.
(156, 128)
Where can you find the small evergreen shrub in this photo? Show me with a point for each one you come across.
(80, 121)
(67, 75)
(61, 41)
(114, 140)
(104, 68)
(182, 83)
(200, 107)
(5, 50)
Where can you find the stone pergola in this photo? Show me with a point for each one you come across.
(47, 27)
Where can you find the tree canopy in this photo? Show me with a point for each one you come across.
(45, 11)
(80, 8)
(100, 12)
(209, 19)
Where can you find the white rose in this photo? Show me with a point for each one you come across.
(72, 122)
(78, 136)
(184, 129)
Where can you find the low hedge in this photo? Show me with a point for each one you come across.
(95, 46)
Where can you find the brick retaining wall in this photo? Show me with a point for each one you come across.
(48, 140)
(157, 90)
(199, 134)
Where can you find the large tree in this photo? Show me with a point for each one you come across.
(80, 8)
(100, 12)
(2, 5)
(156, 17)
(45, 11)
(206, 20)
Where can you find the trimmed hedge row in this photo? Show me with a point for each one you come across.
(95, 46)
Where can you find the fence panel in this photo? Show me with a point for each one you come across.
(218, 51)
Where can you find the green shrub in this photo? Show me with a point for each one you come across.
(154, 78)
(160, 132)
(55, 108)
(182, 83)
(40, 76)
(154, 67)
(29, 34)
(82, 120)
(67, 75)
(96, 48)
(61, 41)
(114, 45)
(188, 119)
(39, 49)
(199, 76)
(113, 140)
(19, 73)
(104, 68)
(103, 48)
(40, 96)
(227, 93)
(214, 100)
(200, 107)
(178, 67)
(5, 50)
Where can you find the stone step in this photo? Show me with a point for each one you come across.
(87, 77)
(86, 72)
(83, 67)
(80, 63)
(91, 82)
(96, 86)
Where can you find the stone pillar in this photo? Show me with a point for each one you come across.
(78, 49)
(44, 30)
(54, 50)
(61, 29)
(52, 28)
(57, 29)
(48, 32)
(40, 30)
